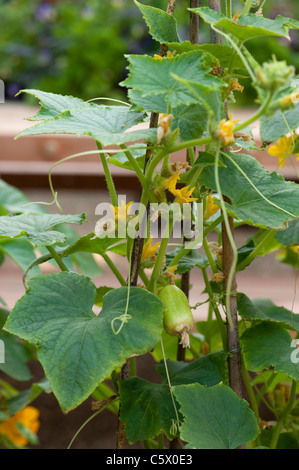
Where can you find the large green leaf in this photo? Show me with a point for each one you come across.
(248, 26)
(151, 76)
(146, 409)
(106, 124)
(258, 309)
(206, 370)
(78, 349)
(269, 345)
(35, 227)
(266, 201)
(214, 417)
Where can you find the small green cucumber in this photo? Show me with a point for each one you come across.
(178, 319)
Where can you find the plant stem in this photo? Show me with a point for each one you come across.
(108, 177)
(229, 8)
(160, 256)
(114, 269)
(219, 319)
(247, 7)
(251, 394)
(57, 258)
(209, 256)
(255, 116)
(215, 5)
(138, 171)
(283, 416)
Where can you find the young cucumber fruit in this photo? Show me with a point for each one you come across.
(178, 319)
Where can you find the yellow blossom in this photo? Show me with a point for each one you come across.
(28, 417)
(211, 207)
(290, 99)
(182, 195)
(235, 85)
(121, 213)
(169, 54)
(149, 250)
(282, 149)
(163, 128)
(225, 131)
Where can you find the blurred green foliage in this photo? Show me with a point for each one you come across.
(77, 47)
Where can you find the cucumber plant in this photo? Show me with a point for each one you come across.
(244, 354)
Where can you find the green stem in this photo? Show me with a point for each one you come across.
(185, 251)
(215, 308)
(283, 416)
(160, 256)
(138, 172)
(251, 395)
(247, 7)
(257, 251)
(209, 256)
(143, 277)
(108, 177)
(229, 8)
(114, 269)
(255, 116)
(191, 155)
(57, 258)
(231, 240)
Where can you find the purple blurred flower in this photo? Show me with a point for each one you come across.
(11, 89)
(44, 12)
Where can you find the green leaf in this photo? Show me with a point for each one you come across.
(26, 397)
(162, 26)
(161, 77)
(269, 345)
(187, 262)
(248, 26)
(258, 309)
(121, 160)
(16, 355)
(290, 236)
(21, 252)
(146, 409)
(207, 370)
(35, 227)
(220, 419)
(91, 244)
(268, 201)
(14, 201)
(76, 348)
(53, 104)
(101, 291)
(223, 54)
(106, 124)
(274, 127)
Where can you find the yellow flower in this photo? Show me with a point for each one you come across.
(225, 131)
(211, 207)
(182, 195)
(169, 54)
(28, 417)
(149, 250)
(282, 149)
(121, 213)
(290, 99)
(163, 128)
